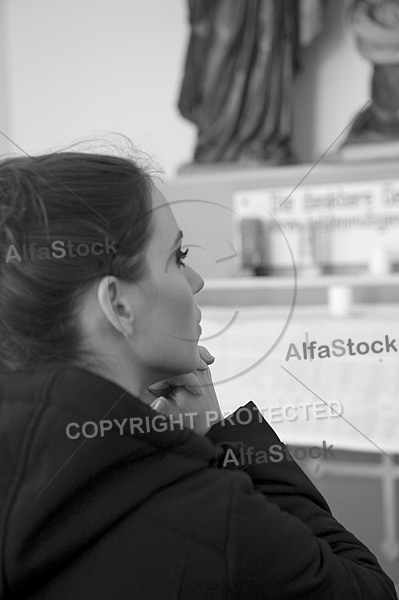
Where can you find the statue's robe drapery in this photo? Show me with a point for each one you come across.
(376, 26)
(237, 86)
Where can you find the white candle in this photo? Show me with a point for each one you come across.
(340, 300)
(379, 263)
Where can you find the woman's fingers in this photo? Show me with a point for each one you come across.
(191, 396)
(202, 365)
(159, 386)
(160, 405)
(189, 381)
(205, 355)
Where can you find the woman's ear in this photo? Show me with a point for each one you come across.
(115, 305)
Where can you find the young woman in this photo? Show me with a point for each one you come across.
(101, 495)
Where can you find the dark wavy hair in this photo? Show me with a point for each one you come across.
(64, 197)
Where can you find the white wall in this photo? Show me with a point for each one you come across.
(73, 67)
(79, 66)
(5, 116)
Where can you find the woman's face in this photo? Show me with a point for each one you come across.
(166, 322)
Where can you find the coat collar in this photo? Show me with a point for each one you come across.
(88, 397)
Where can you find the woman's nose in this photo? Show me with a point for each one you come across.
(195, 280)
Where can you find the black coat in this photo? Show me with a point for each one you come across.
(154, 515)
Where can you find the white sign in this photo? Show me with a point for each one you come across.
(366, 204)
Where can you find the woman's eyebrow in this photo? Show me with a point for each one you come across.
(179, 236)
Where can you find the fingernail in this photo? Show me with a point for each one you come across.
(154, 405)
(209, 354)
(158, 404)
(198, 390)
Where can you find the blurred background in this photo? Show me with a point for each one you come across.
(71, 68)
(277, 129)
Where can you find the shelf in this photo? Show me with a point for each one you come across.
(274, 291)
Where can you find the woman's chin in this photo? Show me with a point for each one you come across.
(189, 361)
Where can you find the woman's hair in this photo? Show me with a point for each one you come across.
(53, 208)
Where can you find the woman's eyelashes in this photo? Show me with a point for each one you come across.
(180, 256)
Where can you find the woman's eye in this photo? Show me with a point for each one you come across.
(180, 256)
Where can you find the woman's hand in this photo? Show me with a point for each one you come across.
(192, 396)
